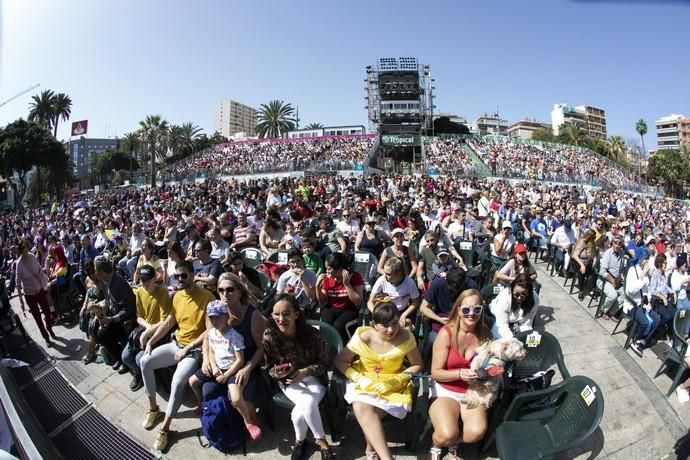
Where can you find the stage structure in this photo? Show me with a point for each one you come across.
(400, 105)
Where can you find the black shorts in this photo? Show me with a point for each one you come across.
(205, 378)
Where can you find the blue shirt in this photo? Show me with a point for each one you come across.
(539, 226)
(84, 254)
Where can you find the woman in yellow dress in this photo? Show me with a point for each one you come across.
(379, 384)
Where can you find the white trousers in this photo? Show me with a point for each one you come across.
(306, 396)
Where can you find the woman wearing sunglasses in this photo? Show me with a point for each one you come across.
(379, 384)
(454, 349)
(245, 319)
(515, 307)
(296, 356)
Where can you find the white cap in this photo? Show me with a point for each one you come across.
(507, 224)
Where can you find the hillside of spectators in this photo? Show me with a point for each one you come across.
(275, 155)
(448, 156)
(560, 163)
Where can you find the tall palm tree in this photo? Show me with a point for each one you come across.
(570, 133)
(189, 133)
(275, 119)
(175, 138)
(42, 109)
(617, 148)
(641, 128)
(153, 131)
(130, 144)
(62, 108)
(314, 126)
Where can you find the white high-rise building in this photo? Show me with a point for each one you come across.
(232, 117)
(591, 119)
(672, 131)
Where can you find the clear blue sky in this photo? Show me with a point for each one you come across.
(122, 60)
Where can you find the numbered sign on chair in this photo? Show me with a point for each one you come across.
(465, 245)
(589, 395)
(533, 340)
(362, 257)
(283, 258)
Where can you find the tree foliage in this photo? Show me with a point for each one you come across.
(154, 133)
(641, 128)
(672, 168)
(275, 119)
(25, 144)
(443, 125)
(544, 135)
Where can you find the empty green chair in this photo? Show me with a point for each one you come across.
(579, 410)
(676, 354)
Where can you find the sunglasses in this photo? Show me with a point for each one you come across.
(181, 276)
(520, 295)
(229, 290)
(475, 310)
(284, 315)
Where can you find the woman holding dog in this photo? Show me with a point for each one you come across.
(454, 348)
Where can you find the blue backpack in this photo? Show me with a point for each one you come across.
(223, 426)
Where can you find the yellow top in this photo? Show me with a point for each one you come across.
(383, 368)
(190, 313)
(152, 307)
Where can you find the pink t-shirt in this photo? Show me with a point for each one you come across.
(29, 275)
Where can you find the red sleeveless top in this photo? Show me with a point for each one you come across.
(455, 361)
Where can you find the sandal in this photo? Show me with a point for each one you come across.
(371, 455)
(88, 359)
(435, 453)
(453, 453)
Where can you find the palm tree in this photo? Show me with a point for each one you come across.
(42, 109)
(641, 128)
(153, 131)
(189, 133)
(62, 108)
(570, 133)
(617, 148)
(130, 144)
(315, 126)
(275, 119)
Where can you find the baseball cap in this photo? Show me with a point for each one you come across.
(398, 231)
(520, 248)
(507, 224)
(650, 239)
(216, 308)
(443, 251)
(147, 273)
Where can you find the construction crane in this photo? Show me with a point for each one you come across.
(19, 94)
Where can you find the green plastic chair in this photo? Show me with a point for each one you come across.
(676, 354)
(539, 358)
(580, 408)
(328, 403)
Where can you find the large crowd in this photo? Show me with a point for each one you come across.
(449, 157)
(275, 155)
(508, 157)
(137, 264)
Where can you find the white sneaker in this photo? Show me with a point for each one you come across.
(683, 395)
(637, 348)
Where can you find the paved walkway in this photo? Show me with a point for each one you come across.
(639, 422)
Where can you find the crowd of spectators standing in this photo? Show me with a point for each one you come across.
(147, 261)
(271, 155)
(506, 157)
